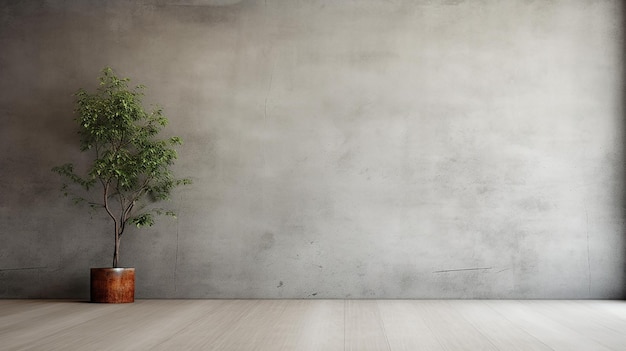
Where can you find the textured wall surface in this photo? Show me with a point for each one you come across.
(339, 149)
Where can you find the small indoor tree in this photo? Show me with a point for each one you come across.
(131, 167)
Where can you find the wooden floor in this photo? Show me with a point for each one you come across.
(314, 325)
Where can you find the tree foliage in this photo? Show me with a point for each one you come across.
(131, 166)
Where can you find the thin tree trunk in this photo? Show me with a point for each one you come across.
(117, 226)
(116, 251)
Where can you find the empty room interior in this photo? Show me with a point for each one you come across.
(312, 175)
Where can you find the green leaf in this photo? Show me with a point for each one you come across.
(143, 220)
(130, 162)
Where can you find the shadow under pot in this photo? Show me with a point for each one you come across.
(113, 285)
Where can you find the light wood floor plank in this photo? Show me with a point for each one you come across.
(307, 325)
(9, 307)
(553, 334)
(501, 332)
(572, 316)
(323, 326)
(48, 320)
(406, 327)
(287, 325)
(613, 313)
(451, 329)
(203, 333)
(130, 326)
(267, 325)
(364, 329)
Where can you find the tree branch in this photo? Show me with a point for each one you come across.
(106, 202)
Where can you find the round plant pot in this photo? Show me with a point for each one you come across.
(113, 285)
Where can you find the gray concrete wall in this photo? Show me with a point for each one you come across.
(339, 149)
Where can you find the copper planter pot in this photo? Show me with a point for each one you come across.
(113, 285)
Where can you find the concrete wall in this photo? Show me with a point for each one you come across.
(339, 149)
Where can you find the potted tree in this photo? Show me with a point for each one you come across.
(130, 172)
